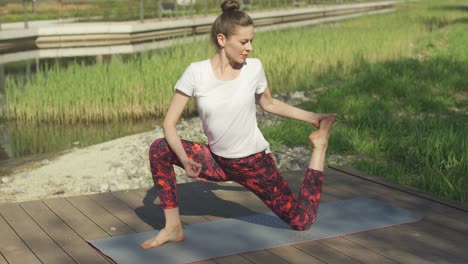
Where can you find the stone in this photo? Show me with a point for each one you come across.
(59, 192)
(5, 180)
(95, 188)
(104, 187)
(336, 160)
(45, 162)
(297, 95)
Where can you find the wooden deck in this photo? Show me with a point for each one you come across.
(55, 230)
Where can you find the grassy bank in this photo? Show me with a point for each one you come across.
(404, 118)
(141, 87)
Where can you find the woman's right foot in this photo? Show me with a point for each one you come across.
(320, 137)
(167, 234)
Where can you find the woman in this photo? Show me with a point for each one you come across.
(226, 88)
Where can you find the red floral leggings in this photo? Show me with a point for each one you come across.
(257, 173)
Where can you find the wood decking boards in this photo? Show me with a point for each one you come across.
(55, 230)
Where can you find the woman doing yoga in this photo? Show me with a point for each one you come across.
(226, 88)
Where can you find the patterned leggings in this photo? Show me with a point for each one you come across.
(256, 172)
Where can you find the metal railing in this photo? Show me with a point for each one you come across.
(124, 10)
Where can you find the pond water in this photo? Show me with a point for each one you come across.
(23, 141)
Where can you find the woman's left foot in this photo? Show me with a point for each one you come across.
(320, 117)
(320, 137)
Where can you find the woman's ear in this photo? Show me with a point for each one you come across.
(221, 40)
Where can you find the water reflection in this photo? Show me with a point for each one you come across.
(21, 140)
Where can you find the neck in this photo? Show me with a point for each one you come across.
(221, 62)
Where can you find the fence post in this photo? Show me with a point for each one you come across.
(159, 9)
(140, 9)
(205, 9)
(2, 91)
(25, 14)
(192, 7)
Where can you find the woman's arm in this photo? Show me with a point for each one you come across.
(174, 112)
(275, 106)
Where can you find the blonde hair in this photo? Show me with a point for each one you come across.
(231, 18)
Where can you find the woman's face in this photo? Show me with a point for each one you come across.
(238, 46)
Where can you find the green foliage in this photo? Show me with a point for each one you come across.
(404, 118)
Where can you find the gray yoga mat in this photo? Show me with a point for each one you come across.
(255, 232)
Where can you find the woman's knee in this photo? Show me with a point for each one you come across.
(304, 224)
(158, 146)
(301, 227)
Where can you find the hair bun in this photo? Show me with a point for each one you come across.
(230, 5)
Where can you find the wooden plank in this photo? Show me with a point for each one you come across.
(45, 249)
(422, 239)
(62, 234)
(204, 262)
(109, 223)
(234, 259)
(149, 194)
(293, 255)
(121, 211)
(434, 212)
(12, 248)
(263, 256)
(429, 208)
(325, 253)
(355, 251)
(149, 212)
(2, 259)
(429, 197)
(75, 219)
(386, 248)
(188, 213)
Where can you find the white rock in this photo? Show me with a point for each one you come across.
(104, 187)
(5, 179)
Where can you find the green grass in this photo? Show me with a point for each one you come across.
(406, 118)
(403, 119)
(107, 91)
(141, 87)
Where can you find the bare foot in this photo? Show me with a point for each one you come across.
(320, 137)
(175, 234)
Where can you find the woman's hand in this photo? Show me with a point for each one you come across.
(193, 169)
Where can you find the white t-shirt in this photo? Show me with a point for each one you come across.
(227, 108)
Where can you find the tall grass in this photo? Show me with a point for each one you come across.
(108, 91)
(141, 87)
(404, 118)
